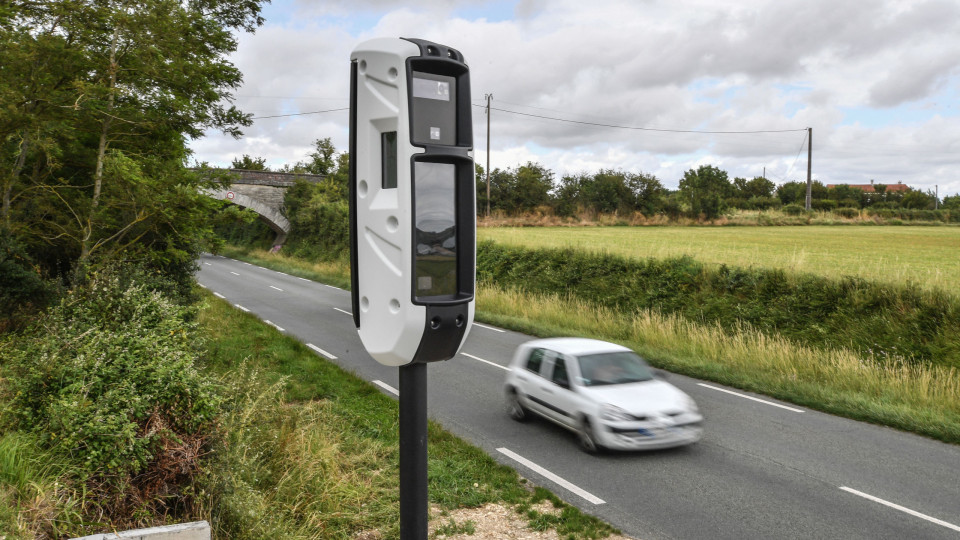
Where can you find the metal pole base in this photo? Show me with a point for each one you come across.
(413, 452)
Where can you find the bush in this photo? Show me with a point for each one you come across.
(845, 212)
(877, 319)
(823, 204)
(21, 287)
(794, 209)
(107, 379)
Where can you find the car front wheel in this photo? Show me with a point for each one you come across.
(514, 408)
(588, 439)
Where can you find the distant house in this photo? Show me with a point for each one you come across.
(869, 188)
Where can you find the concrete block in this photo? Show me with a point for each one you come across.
(198, 530)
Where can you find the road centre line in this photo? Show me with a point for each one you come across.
(387, 387)
(242, 308)
(273, 325)
(277, 288)
(234, 273)
(552, 477)
(750, 398)
(489, 327)
(901, 508)
(485, 361)
(342, 311)
(321, 351)
(218, 295)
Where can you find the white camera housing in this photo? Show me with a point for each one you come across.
(412, 200)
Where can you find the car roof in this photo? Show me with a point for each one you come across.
(575, 346)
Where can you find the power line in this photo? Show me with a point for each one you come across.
(598, 124)
(802, 144)
(300, 114)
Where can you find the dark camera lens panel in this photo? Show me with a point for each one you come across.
(434, 104)
(435, 220)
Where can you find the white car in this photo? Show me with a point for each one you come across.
(603, 392)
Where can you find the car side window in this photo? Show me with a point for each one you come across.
(535, 360)
(560, 373)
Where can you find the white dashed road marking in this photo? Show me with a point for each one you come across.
(901, 508)
(744, 396)
(552, 477)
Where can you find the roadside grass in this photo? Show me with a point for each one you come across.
(920, 398)
(311, 450)
(334, 272)
(915, 397)
(926, 256)
(36, 498)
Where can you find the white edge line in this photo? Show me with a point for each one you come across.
(751, 398)
(243, 308)
(202, 285)
(485, 361)
(277, 288)
(218, 295)
(302, 278)
(387, 387)
(332, 287)
(901, 508)
(321, 351)
(489, 327)
(234, 273)
(552, 477)
(343, 311)
(274, 325)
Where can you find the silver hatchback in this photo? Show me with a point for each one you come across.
(601, 391)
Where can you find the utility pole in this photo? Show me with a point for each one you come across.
(936, 197)
(809, 161)
(489, 97)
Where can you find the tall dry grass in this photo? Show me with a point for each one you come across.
(914, 397)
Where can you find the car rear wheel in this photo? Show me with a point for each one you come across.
(588, 440)
(514, 408)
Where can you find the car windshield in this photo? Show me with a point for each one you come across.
(613, 368)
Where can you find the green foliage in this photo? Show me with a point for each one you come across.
(107, 380)
(248, 163)
(100, 99)
(21, 286)
(319, 220)
(883, 321)
(794, 209)
(704, 191)
(609, 191)
(846, 212)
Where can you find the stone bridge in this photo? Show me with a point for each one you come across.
(262, 192)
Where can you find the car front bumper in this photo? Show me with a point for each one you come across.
(643, 437)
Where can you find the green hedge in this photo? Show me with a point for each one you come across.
(877, 319)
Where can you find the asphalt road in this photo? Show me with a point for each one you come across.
(764, 469)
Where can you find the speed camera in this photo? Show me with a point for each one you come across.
(412, 200)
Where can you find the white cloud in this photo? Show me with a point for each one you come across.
(691, 65)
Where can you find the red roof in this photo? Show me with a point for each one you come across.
(869, 188)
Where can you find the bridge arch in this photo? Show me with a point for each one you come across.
(262, 192)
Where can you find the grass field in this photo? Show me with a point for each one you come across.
(927, 256)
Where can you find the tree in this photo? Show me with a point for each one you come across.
(704, 190)
(918, 200)
(102, 98)
(756, 187)
(248, 163)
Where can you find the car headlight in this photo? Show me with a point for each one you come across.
(614, 413)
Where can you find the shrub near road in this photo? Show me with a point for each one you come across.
(879, 321)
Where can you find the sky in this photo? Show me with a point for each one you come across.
(878, 81)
